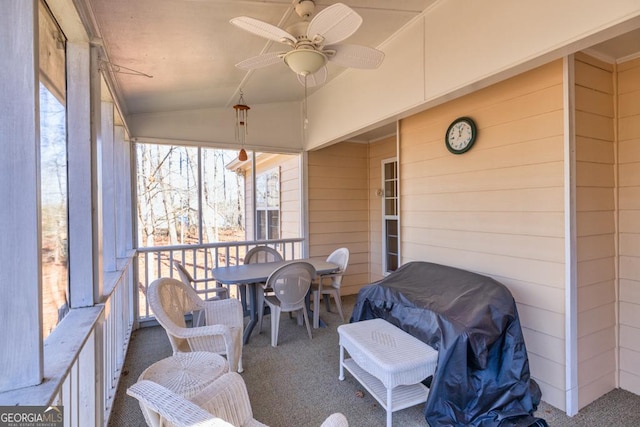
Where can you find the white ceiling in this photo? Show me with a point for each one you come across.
(190, 49)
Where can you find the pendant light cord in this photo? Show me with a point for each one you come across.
(305, 122)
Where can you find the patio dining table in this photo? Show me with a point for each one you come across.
(253, 274)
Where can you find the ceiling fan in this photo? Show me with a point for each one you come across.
(313, 42)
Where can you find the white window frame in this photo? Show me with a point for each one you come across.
(267, 208)
(385, 217)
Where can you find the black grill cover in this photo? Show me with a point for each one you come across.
(482, 378)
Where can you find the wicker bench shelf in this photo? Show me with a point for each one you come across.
(404, 396)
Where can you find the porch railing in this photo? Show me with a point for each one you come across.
(85, 401)
(84, 355)
(156, 262)
(119, 320)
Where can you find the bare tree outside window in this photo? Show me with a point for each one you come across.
(53, 199)
(169, 184)
(200, 206)
(223, 196)
(186, 196)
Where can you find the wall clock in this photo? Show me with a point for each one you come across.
(460, 135)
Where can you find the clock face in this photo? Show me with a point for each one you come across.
(460, 135)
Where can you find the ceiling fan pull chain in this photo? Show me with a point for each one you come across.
(305, 123)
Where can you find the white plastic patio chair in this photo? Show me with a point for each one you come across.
(261, 254)
(219, 292)
(171, 300)
(329, 285)
(290, 284)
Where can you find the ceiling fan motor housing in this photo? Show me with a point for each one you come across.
(298, 30)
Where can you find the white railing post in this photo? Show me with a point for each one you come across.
(89, 406)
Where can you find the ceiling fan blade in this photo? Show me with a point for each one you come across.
(263, 29)
(354, 56)
(334, 24)
(261, 61)
(315, 79)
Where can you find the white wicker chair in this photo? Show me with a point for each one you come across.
(171, 300)
(290, 284)
(228, 399)
(332, 287)
(164, 408)
(225, 402)
(185, 374)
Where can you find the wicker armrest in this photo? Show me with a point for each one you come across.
(335, 420)
(203, 331)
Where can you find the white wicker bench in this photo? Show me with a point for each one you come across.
(388, 362)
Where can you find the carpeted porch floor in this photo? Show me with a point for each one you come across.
(296, 384)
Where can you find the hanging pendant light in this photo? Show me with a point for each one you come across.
(242, 116)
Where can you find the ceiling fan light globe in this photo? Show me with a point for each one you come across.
(305, 61)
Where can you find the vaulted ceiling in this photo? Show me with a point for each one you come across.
(190, 48)
(172, 55)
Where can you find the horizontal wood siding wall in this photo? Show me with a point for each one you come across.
(378, 151)
(290, 206)
(629, 223)
(497, 209)
(595, 219)
(339, 208)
